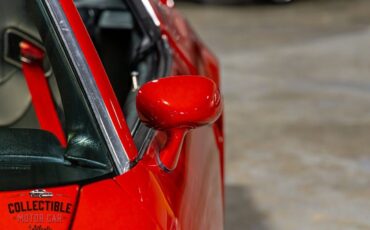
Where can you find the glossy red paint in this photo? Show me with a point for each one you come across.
(19, 210)
(191, 55)
(170, 153)
(147, 197)
(176, 105)
(144, 198)
(179, 102)
(107, 205)
(169, 3)
(195, 188)
(42, 99)
(180, 35)
(191, 193)
(100, 76)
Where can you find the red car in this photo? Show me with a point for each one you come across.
(111, 118)
(239, 1)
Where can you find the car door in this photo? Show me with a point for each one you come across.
(194, 189)
(189, 196)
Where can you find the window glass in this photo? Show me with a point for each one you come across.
(127, 55)
(114, 34)
(31, 155)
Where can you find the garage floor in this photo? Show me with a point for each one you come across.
(296, 81)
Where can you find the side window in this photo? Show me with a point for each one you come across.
(47, 123)
(117, 39)
(20, 94)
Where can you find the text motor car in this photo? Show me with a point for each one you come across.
(110, 118)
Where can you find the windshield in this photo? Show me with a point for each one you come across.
(49, 134)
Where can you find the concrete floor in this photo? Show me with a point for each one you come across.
(297, 92)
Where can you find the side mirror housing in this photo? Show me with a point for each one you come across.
(176, 105)
(169, 3)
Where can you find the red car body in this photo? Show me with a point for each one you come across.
(142, 195)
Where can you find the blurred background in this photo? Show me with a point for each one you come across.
(297, 94)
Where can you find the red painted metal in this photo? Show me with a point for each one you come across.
(169, 3)
(179, 102)
(190, 55)
(107, 205)
(176, 105)
(21, 211)
(147, 197)
(190, 197)
(170, 153)
(42, 99)
(100, 76)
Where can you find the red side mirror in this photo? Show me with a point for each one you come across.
(176, 105)
(169, 3)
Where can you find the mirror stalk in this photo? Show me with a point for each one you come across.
(169, 155)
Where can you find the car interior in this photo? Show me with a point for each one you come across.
(111, 28)
(32, 157)
(120, 44)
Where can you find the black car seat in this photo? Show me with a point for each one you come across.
(111, 27)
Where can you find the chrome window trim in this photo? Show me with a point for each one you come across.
(150, 10)
(85, 76)
(142, 9)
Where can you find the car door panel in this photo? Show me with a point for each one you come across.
(190, 197)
